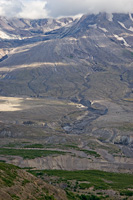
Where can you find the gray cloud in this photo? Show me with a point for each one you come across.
(56, 8)
(72, 7)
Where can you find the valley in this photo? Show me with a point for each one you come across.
(96, 134)
(66, 102)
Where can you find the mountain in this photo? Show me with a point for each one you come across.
(68, 83)
(18, 31)
(87, 46)
(23, 28)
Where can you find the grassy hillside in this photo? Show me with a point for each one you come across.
(89, 183)
(17, 184)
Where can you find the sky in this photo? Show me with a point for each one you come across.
(35, 9)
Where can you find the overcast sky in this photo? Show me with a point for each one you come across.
(56, 8)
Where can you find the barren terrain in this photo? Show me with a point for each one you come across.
(66, 99)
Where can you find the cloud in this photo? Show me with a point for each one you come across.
(34, 9)
(10, 8)
(72, 7)
(23, 8)
(55, 8)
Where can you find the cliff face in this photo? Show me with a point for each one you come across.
(71, 163)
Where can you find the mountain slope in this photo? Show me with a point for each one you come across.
(80, 73)
(87, 47)
(16, 183)
(21, 28)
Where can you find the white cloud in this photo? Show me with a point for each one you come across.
(10, 8)
(33, 9)
(23, 8)
(56, 8)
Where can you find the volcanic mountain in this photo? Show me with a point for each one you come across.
(65, 81)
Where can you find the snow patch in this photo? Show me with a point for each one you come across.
(103, 29)
(93, 26)
(80, 106)
(84, 37)
(130, 15)
(101, 45)
(122, 39)
(110, 17)
(130, 29)
(61, 23)
(122, 24)
(71, 38)
(4, 35)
